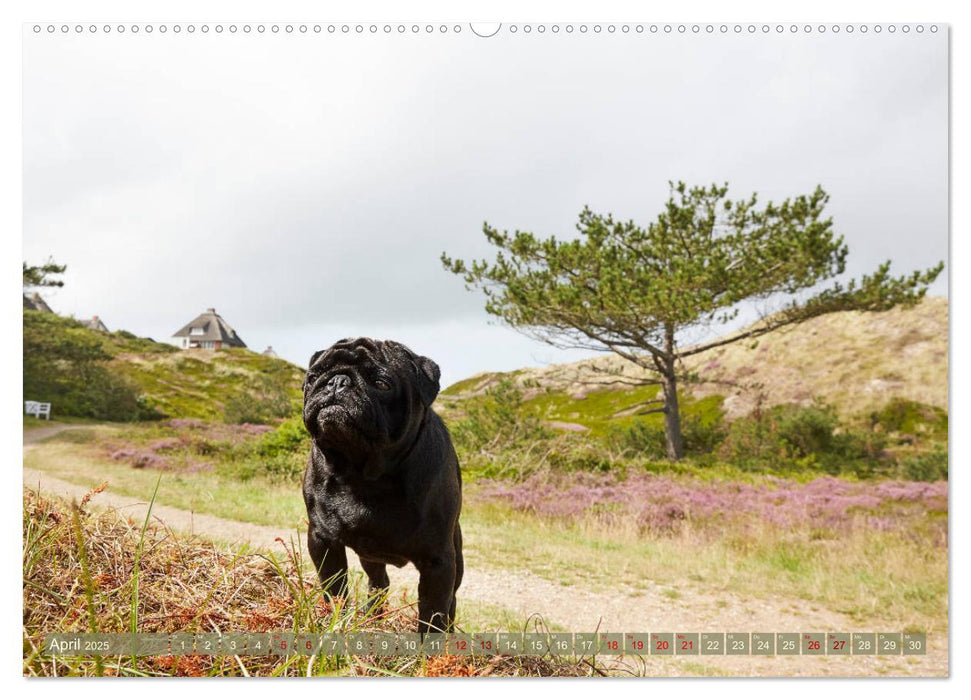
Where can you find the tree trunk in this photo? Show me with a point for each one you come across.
(673, 439)
(672, 416)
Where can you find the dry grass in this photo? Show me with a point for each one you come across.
(86, 572)
(856, 361)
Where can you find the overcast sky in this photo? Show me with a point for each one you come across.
(306, 185)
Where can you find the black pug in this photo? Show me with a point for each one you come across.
(383, 477)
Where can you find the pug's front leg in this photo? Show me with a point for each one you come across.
(330, 561)
(436, 585)
(378, 582)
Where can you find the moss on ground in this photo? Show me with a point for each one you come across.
(605, 409)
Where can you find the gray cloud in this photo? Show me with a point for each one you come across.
(306, 185)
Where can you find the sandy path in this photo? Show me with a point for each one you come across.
(573, 608)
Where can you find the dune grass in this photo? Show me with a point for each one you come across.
(100, 573)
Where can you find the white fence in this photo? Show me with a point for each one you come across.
(37, 409)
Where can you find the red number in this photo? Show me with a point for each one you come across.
(283, 644)
(662, 645)
(461, 644)
(637, 644)
(813, 645)
(308, 644)
(485, 644)
(838, 644)
(687, 644)
(612, 645)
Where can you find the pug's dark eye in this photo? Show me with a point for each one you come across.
(381, 384)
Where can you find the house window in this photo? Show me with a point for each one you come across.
(196, 331)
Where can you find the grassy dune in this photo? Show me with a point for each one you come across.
(200, 383)
(115, 367)
(856, 361)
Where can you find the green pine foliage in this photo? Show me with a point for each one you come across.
(43, 275)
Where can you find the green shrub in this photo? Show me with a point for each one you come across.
(576, 453)
(290, 437)
(802, 438)
(788, 432)
(638, 438)
(748, 440)
(911, 417)
(804, 431)
(859, 444)
(285, 466)
(244, 462)
(702, 436)
(925, 466)
(647, 438)
(279, 454)
(497, 420)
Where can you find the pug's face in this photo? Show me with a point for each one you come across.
(365, 400)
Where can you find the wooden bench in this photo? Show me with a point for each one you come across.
(37, 409)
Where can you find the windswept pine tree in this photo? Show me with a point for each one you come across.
(636, 291)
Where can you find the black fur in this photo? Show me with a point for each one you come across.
(383, 477)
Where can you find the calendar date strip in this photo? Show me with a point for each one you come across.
(491, 643)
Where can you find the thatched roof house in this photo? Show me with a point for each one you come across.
(35, 302)
(207, 330)
(94, 323)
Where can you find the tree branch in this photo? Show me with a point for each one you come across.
(753, 333)
(653, 410)
(644, 382)
(646, 402)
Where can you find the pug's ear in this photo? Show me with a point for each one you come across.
(428, 376)
(313, 358)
